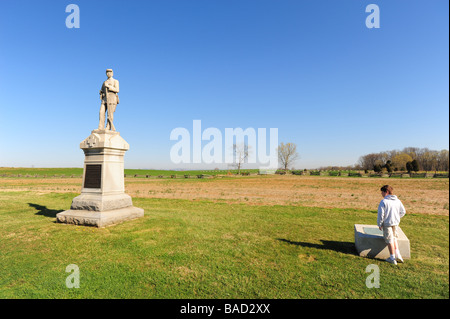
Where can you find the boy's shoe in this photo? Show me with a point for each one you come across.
(399, 258)
(391, 260)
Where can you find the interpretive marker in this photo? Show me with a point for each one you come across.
(93, 176)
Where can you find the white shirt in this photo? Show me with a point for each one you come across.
(390, 211)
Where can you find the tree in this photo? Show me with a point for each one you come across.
(388, 166)
(429, 160)
(415, 165)
(420, 158)
(409, 167)
(443, 160)
(411, 151)
(241, 152)
(368, 161)
(384, 157)
(399, 161)
(287, 154)
(377, 168)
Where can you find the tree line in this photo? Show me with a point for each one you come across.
(409, 159)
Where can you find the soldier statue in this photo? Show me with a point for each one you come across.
(110, 99)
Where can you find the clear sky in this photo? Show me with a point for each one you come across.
(312, 69)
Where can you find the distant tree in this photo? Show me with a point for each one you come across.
(415, 165)
(384, 157)
(429, 160)
(377, 168)
(241, 152)
(287, 154)
(411, 151)
(443, 160)
(388, 166)
(420, 158)
(368, 161)
(409, 167)
(399, 161)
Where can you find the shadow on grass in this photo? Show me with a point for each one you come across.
(44, 211)
(338, 246)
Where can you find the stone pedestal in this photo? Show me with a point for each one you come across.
(370, 243)
(102, 201)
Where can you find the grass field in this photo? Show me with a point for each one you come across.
(130, 172)
(249, 237)
(58, 172)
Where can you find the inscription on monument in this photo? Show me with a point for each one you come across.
(373, 231)
(93, 176)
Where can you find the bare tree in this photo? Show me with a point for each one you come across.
(287, 154)
(429, 160)
(384, 157)
(443, 160)
(412, 151)
(241, 152)
(369, 161)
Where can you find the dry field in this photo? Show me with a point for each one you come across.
(423, 196)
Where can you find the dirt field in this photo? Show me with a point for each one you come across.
(424, 196)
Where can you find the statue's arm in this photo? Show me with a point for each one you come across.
(101, 92)
(114, 88)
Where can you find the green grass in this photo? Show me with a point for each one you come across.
(193, 173)
(199, 249)
(49, 172)
(130, 172)
(41, 171)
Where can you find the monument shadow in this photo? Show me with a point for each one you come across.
(338, 246)
(44, 211)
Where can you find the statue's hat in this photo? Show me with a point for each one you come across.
(109, 70)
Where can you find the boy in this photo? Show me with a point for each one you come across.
(390, 211)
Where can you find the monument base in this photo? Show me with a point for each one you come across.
(102, 201)
(99, 218)
(370, 243)
(99, 202)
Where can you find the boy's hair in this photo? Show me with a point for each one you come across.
(387, 189)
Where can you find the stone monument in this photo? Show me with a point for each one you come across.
(370, 243)
(103, 200)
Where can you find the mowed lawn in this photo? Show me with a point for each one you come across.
(203, 249)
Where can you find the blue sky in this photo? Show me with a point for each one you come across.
(312, 69)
